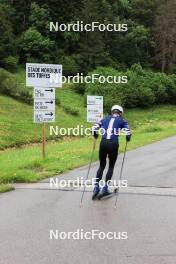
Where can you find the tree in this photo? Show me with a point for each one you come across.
(92, 45)
(165, 35)
(143, 11)
(19, 16)
(33, 46)
(7, 40)
(39, 18)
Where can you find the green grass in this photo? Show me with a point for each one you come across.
(6, 188)
(25, 164)
(16, 119)
(17, 127)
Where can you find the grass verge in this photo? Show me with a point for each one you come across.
(6, 188)
(26, 164)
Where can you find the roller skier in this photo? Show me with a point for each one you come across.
(111, 126)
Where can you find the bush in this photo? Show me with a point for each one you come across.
(10, 63)
(112, 93)
(137, 92)
(136, 96)
(10, 86)
(35, 47)
(144, 88)
(70, 67)
(79, 88)
(171, 88)
(70, 110)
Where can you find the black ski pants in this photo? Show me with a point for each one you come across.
(107, 148)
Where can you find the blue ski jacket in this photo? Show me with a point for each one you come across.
(111, 127)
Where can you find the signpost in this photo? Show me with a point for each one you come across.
(43, 93)
(44, 78)
(94, 108)
(43, 75)
(94, 100)
(44, 104)
(44, 116)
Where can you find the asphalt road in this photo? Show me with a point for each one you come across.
(146, 211)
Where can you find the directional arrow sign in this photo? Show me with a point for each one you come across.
(44, 104)
(94, 113)
(44, 116)
(49, 114)
(94, 108)
(44, 93)
(94, 100)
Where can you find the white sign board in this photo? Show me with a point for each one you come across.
(43, 75)
(94, 100)
(44, 93)
(94, 108)
(44, 104)
(44, 116)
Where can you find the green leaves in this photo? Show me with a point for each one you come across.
(144, 88)
(36, 47)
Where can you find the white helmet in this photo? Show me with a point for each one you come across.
(117, 107)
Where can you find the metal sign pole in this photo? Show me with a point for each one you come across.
(44, 93)
(43, 140)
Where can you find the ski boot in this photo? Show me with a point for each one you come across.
(105, 192)
(96, 191)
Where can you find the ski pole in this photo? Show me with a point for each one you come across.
(121, 171)
(91, 158)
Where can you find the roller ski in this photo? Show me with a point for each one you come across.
(105, 194)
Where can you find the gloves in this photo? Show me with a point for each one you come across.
(128, 138)
(95, 135)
